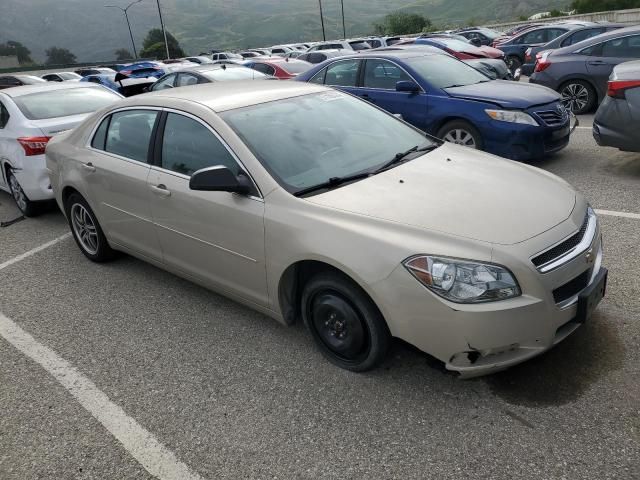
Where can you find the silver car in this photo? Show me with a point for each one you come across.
(309, 204)
(618, 117)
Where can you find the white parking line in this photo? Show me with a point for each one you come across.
(141, 444)
(584, 128)
(613, 213)
(33, 251)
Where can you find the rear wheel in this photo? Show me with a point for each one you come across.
(344, 323)
(578, 96)
(26, 206)
(86, 230)
(513, 63)
(461, 132)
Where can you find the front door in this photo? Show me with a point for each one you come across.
(115, 170)
(379, 87)
(217, 237)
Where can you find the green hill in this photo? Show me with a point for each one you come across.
(93, 32)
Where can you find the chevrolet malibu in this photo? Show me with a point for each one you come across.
(307, 203)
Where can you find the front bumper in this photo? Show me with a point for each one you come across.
(479, 339)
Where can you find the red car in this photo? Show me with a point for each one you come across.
(282, 68)
(459, 49)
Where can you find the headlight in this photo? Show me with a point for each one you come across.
(512, 116)
(463, 281)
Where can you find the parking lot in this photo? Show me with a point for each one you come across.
(145, 374)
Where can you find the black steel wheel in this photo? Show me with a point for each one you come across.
(344, 323)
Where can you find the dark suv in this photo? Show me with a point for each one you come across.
(580, 72)
(515, 48)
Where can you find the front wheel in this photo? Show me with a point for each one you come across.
(461, 132)
(86, 230)
(578, 96)
(344, 323)
(27, 207)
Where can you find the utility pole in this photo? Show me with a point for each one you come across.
(324, 37)
(344, 29)
(135, 54)
(164, 32)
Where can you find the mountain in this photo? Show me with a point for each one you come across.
(93, 32)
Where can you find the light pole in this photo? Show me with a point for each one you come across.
(164, 32)
(135, 54)
(344, 29)
(324, 37)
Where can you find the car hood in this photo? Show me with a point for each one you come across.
(461, 192)
(506, 94)
(491, 52)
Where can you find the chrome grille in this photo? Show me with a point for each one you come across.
(553, 118)
(563, 248)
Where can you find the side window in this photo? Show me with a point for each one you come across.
(185, 79)
(554, 33)
(538, 36)
(4, 116)
(581, 35)
(374, 43)
(130, 132)
(222, 56)
(166, 82)
(319, 77)
(100, 137)
(262, 68)
(188, 146)
(625, 47)
(343, 73)
(383, 74)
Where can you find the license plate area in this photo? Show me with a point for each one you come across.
(591, 296)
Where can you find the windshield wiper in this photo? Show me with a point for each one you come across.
(333, 182)
(399, 157)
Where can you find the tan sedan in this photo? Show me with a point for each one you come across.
(307, 203)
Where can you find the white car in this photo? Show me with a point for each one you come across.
(29, 117)
(62, 77)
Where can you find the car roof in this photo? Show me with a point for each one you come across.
(401, 53)
(223, 96)
(621, 32)
(49, 86)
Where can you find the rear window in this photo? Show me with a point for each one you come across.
(64, 102)
(222, 75)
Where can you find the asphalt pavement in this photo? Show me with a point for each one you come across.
(229, 393)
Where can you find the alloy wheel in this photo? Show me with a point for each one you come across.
(84, 228)
(575, 96)
(17, 193)
(460, 137)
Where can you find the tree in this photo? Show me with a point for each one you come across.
(400, 23)
(588, 6)
(12, 48)
(153, 45)
(123, 54)
(59, 56)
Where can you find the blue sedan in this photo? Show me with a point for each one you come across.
(446, 98)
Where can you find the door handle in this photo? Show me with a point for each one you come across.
(597, 62)
(89, 167)
(160, 190)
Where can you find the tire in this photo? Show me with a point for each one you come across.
(27, 207)
(461, 132)
(86, 230)
(344, 323)
(513, 63)
(578, 96)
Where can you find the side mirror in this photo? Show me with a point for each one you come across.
(407, 86)
(476, 42)
(219, 179)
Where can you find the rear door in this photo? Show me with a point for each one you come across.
(378, 86)
(342, 74)
(603, 57)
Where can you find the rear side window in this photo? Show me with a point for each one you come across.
(100, 136)
(263, 68)
(375, 43)
(383, 74)
(554, 33)
(188, 146)
(537, 36)
(4, 116)
(186, 79)
(343, 73)
(581, 35)
(129, 134)
(164, 83)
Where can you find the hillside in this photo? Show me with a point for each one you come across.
(93, 32)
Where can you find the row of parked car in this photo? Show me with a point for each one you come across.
(301, 200)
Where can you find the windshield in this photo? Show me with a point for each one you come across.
(69, 76)
(443, 71)
(305, 141)
(64, 102)
(453, 44)
(224, 74)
